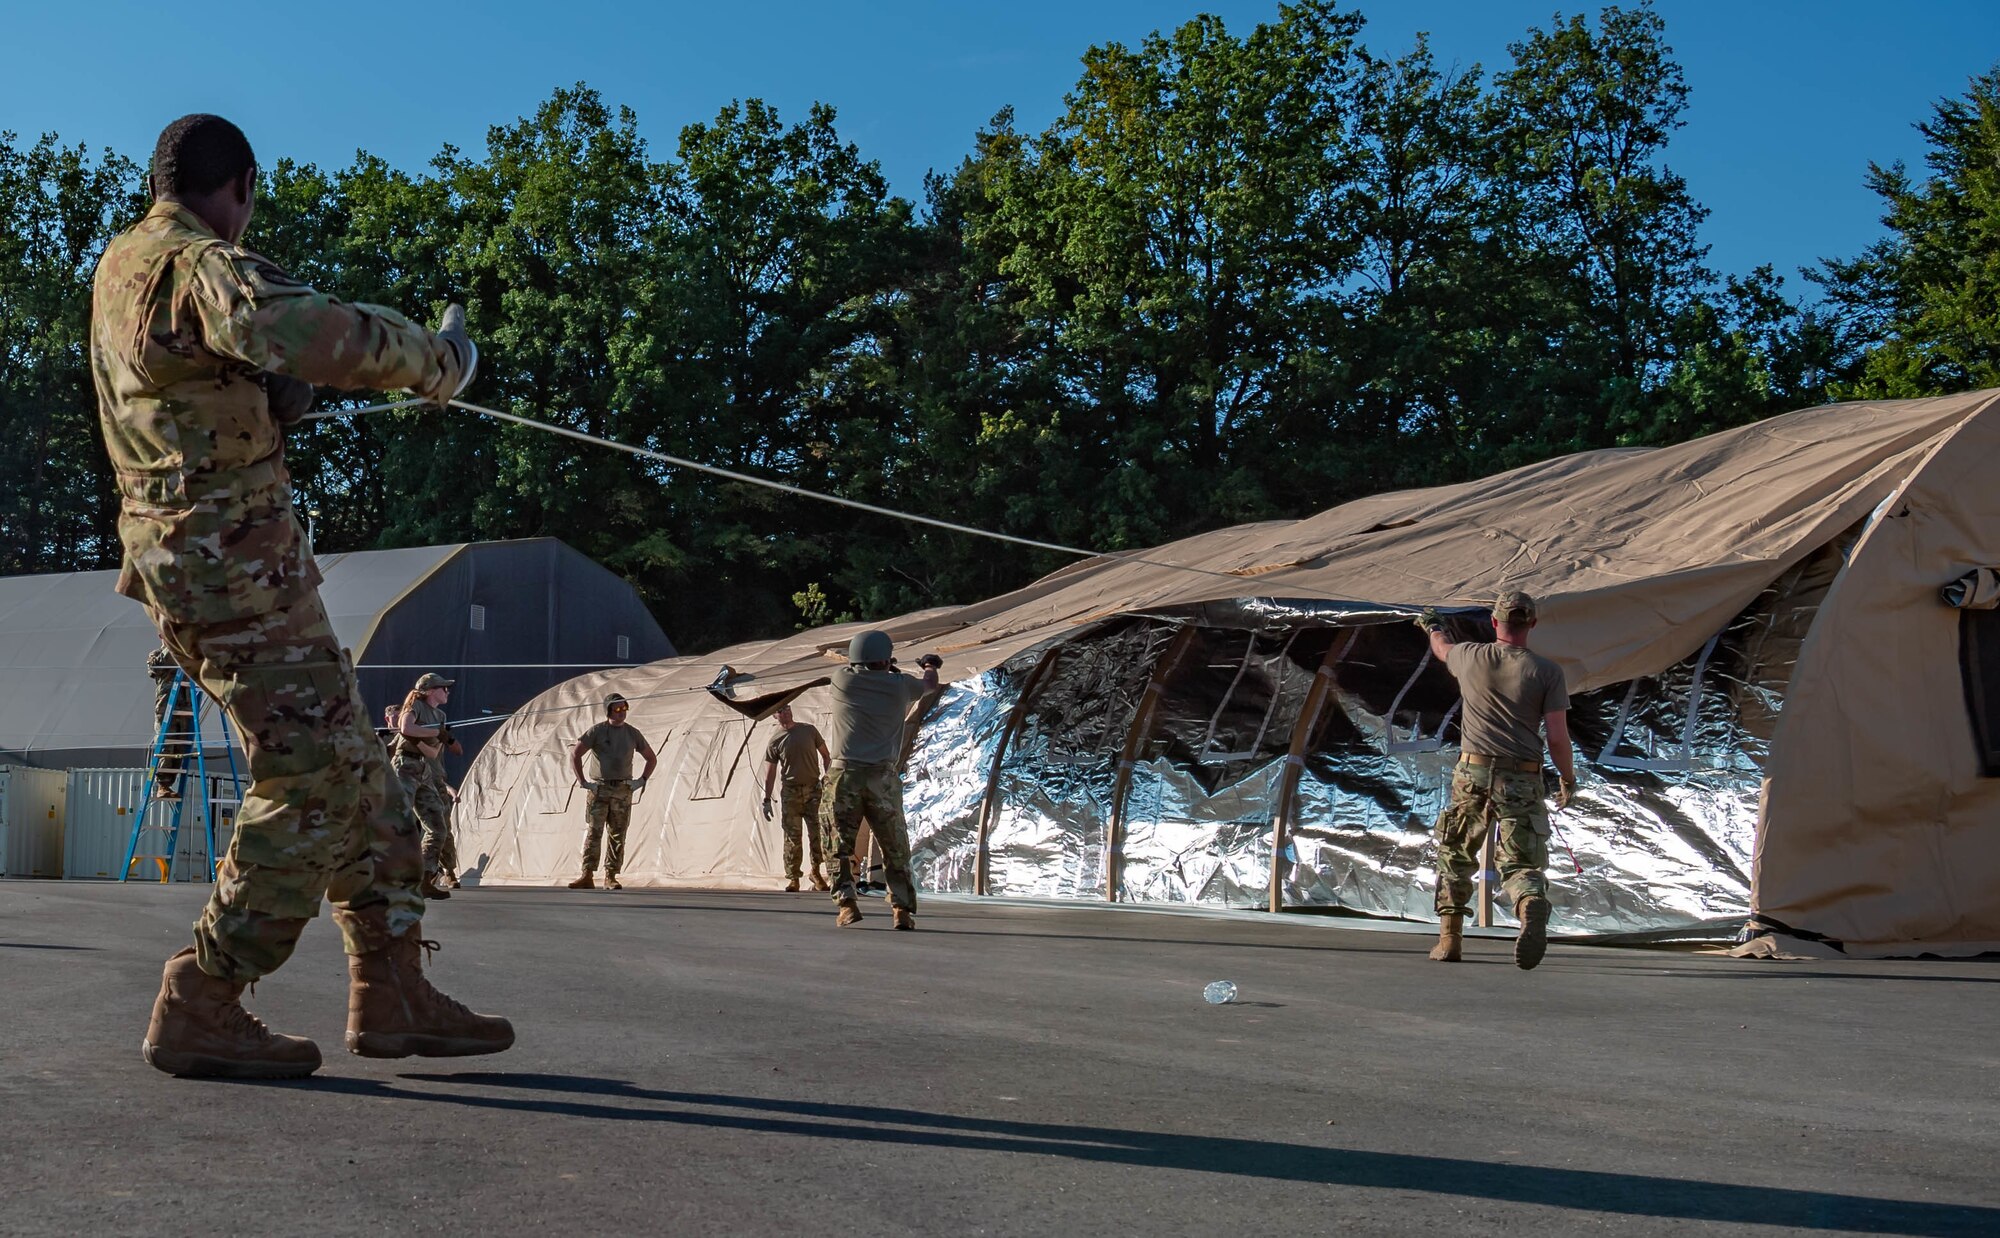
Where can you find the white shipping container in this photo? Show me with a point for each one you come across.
(31, 821)
(104, 804)
(98, 823)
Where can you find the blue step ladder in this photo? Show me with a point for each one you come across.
(176, 748)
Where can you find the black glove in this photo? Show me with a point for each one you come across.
(444, 738)
(931, 662)
(290, 398)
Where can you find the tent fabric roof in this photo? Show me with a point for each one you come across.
(1637, 557)
(73, 652)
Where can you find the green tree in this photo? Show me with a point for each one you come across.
(58, 208)
(1600, 236)
(1173, 249)
(1921, 307)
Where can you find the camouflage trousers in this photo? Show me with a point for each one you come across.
(322, 817)
(1482, 795)
(607, 815)
(448, 849)
(850, 793)
(427, 799)
(800, 815)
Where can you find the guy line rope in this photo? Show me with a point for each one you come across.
(769, 484)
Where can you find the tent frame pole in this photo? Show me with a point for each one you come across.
(1303, 730)
(1136, 736)
(989, 804)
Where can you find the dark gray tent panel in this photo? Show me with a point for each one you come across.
(505, 619)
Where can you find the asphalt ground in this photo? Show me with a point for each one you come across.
(704, 1063)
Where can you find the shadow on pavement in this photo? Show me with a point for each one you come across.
(1585, 1190)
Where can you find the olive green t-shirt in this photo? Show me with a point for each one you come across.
(423, 713)
(1505, 690)
(613, 747)
(866, 724)
(796, 754)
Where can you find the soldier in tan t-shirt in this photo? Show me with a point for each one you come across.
(1509, 696)
(799, 751)
(609, 809)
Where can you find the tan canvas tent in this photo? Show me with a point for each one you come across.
(1772, 706)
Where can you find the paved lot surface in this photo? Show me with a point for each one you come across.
(732, 1064)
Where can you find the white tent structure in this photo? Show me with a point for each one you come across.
(506, 619)
(1780, 718)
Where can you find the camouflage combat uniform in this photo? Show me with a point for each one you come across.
(183, 325)
(608, 813)
(1483, 796)
(867, 726)
(1506, 692)
(796, 753)
(424, 783)
(174, 736)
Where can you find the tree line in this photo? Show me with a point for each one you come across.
(1240, 277)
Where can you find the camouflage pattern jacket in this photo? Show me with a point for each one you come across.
(183, 327)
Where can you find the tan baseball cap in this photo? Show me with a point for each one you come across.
(1513, 606)
(431, 679)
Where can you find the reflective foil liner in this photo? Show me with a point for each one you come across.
(1174, 734)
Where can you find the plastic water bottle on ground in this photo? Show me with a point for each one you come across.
(1219, 993)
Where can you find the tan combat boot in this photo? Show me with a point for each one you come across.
(819, 882)
(199, 1027)
(1533, 942)
(433, 888)
(611, 882)
(904, 918)
(1451, 937)
(392, 1011)
(850, 913)
(792, 886)
(583, 883)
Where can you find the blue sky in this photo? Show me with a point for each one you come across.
(1790, 100)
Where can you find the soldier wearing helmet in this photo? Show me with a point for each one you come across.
(609, 809)
(871, 704)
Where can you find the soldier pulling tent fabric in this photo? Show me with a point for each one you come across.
(1510, 695)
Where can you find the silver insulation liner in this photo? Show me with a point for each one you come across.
(1661, 834)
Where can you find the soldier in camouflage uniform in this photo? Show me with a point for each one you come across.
(608, 812)
(201, 351)
(422, 737)
(871, 704)
(1509, 697)
(174, 736)
(799, 751)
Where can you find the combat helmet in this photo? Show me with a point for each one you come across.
(870, 646)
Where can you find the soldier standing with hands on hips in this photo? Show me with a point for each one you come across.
(871, 704)
(609, 810)
(1510, 695)
(202, 352)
